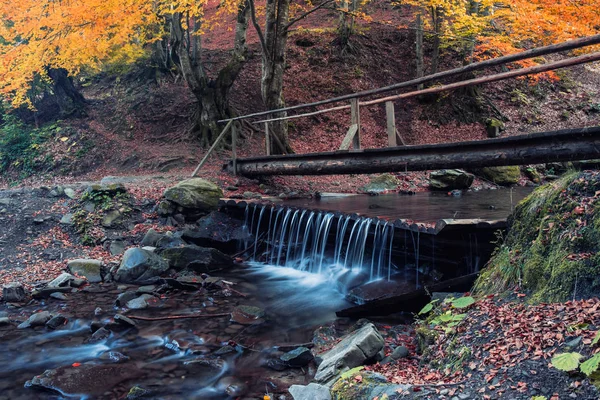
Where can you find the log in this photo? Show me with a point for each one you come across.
(543, 147)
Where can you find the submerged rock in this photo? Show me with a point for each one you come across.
(247, 315)
(195, 193)
(450, 179)
(89, 269)
(354, 350)
(140, 302)
(85, 380)
(139, 265)
(14, 292)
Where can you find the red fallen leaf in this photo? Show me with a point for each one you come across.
(358, 378)
(76, 364)
(521, 295)
(578, 210)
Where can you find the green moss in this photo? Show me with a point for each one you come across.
(552, 245)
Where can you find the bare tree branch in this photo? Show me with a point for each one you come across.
(263, 45)
(306, 14)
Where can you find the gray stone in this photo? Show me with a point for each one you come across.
(399, 352)
(67, 219)
(123, 298)
(85, 381)
(78, 282)
(70, 193)
(251, 195)
(61, 281)
(59, 296)
(312, 391)
(464, 396)
(137, 392)
(217, 230)
(123, 320)
(450, 179)
(356, 348)
(100, 335)
(247, 315)
(140, 302)
(111, 189)
(298, 357)
(148, 289)
(13, 292)
(89, 269)
(117, 247)
(140, 265)
(151, 238)
(196, 258)
(111, 218)
(36, 319)
(169, 240)
(56, 322)
(5, 202)
(195, 193)
(381, 183)
(4, 321)
(165, 208)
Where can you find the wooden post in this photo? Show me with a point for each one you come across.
(213, 147)
(391, 124)
(419, 49)
(234, 148)
(267, 139)
(355, 120)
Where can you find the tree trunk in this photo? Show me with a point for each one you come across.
(419, 48)
(436, 16)
(273, 67)
(212, 93)
(70, 102)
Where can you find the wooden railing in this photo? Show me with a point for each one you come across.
(353, 135)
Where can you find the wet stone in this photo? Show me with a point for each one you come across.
(123, 320)
(225, 350)
(114, 356)
(85, 380)
(123, 298)
(4, 321)
(148, 289)
(59, 296)
(61, 280)
(299, 357)
(137, 392)
(247, 315)
(78, 282)
(14, 292)
(100, 335)
(36, 319)
(277, 365)
(140, 303)
(56, 322)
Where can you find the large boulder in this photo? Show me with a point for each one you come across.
(196, 258)
(381, 183)
(354, 350)
(195, 193)
(139, 265)
(89, 269)
(450, 179)
(502, 175)
(217, 230)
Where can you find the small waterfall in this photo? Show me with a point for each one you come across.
(320, 242)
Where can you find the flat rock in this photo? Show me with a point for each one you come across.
(61, 281)
(85, 380)
(247, 315)
(87, 268)
(58, 296)
(56, 322)
(354, 349)
(123, 320)
(140, 302)
(313, 391)
(36, 319)
(67, 219)
(195, 193)
(298, 357)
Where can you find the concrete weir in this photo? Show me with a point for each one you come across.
(373, 261)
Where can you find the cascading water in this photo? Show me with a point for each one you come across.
(321, 242)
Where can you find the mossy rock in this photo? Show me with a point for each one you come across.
(195, 193)
(359, 384)
(382, 183)
(111, 189)
(552, 249)
(450, 179)
(502, 175)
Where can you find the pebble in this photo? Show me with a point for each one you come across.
(58, 296)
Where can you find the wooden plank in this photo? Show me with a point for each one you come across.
(355, 120)
(537, 52)
(543, 147)
(267, 139)
(213, 147)
(234, 148)
(348, 139)
(399, 138)
(390, 114)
